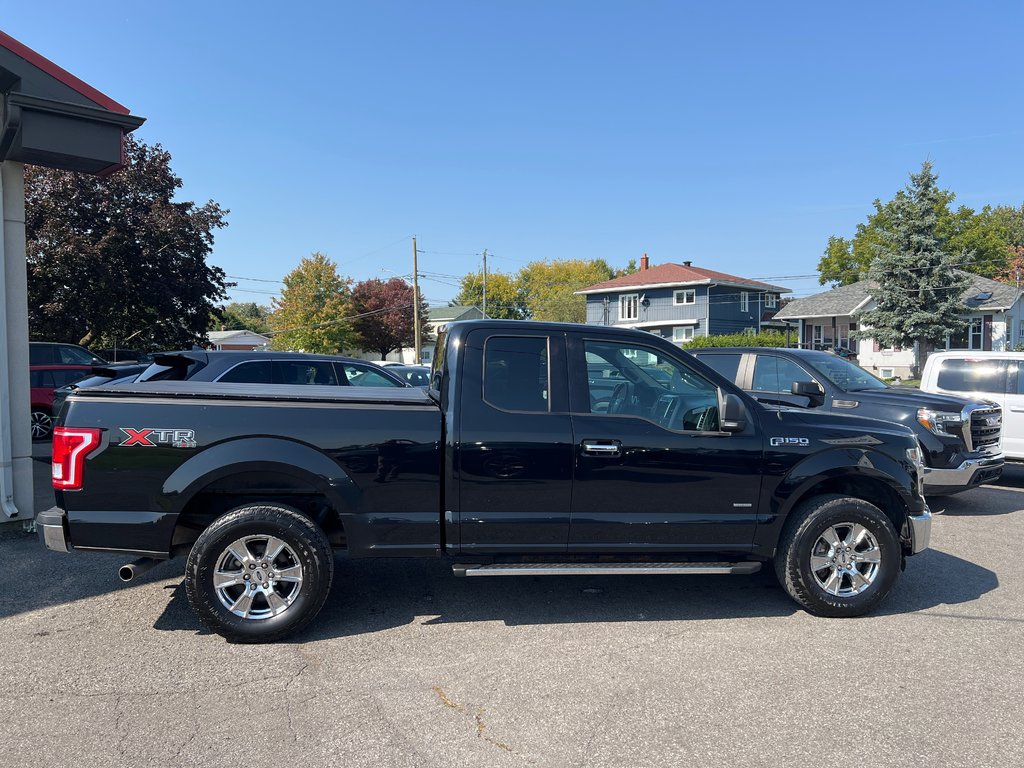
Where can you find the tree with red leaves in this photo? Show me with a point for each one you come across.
(384, 319)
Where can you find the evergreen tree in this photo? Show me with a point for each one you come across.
(919, 297)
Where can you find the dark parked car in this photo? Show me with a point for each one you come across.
(100, 374)
(415, 375)
(44, 380)
(960, 436)
(52, 353)
(268, 368)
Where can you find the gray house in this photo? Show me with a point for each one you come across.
(681, 301)
(993, 311)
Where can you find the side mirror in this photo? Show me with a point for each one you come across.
(734, 414)
(811, 390)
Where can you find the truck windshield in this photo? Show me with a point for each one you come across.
(843, 373)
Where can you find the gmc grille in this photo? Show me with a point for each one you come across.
(986, 427)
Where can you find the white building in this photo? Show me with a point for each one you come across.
(825, 320)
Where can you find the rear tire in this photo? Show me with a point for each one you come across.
(259, 573)
(839, 556)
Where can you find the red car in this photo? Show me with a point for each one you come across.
(53, 365)
(44, 379)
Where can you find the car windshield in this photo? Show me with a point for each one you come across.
(842, 373)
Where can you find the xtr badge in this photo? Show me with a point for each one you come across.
(150, 437)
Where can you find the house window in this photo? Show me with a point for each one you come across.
(688, 296)
(744, 301)
(771, 301)
(885, 373)
(1009, 334)
(975, 333)
(629, 306)
(682, 333)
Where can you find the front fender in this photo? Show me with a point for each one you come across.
(261, 454)
(828, 470)
(840, 462)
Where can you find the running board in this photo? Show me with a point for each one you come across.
(604, 569)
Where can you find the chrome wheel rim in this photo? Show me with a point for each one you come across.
(845, 559)
(257, 577)
(42, 424)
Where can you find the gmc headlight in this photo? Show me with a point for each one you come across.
(940, 422)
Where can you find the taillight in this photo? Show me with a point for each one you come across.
(70, 447)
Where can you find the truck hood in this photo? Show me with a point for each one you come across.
(839, 429)
(911, 397)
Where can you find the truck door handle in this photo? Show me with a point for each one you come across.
(605, 448)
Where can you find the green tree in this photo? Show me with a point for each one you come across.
(920, 285)
(987, 234)
(109, 257)
(505, 299)
(241, 316)
(383, 312)
(312, 313)
(550, 286)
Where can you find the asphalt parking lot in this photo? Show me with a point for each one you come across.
(408, 666)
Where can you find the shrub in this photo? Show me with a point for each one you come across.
(762, 339)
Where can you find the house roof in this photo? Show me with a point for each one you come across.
(450, 314)
(220, 336)
(669, 275)
(844, 300)
(982, 294)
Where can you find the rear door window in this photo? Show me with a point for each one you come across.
(972, 375)
(61, 378)
(41, 379)
(255, 372)
(725, 365)
(41, 354)
(516, 373)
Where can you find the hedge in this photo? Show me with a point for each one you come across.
(762, 339)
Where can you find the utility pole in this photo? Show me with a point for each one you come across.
(485, 284)
(416, 301)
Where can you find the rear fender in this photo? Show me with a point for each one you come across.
(262, 454)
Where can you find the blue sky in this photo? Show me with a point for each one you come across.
(736, 135)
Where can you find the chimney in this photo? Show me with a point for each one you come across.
(644, 263)
(687, 263)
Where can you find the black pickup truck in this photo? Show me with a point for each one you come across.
(538, 449)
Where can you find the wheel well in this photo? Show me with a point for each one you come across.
(227, 493)
(870, 490)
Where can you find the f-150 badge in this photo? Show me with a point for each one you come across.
(151, 438)
(775, 441)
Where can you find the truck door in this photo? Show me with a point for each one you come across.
(514, 449)
(653, 471)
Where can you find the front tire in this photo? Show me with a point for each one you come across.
(259, 573)
(42, 423)
(839, 556)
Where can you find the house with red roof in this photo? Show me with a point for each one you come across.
(681, 301)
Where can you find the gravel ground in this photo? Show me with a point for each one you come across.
(409, 666)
